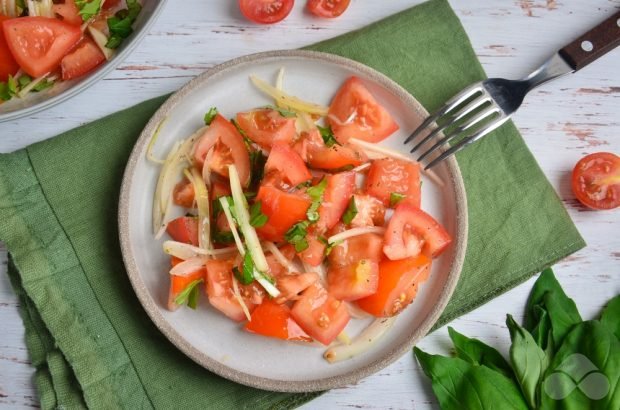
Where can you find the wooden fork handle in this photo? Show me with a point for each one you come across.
(593, 44)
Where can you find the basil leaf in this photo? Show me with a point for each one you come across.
(296, 236)
(24, 80)
(210, 115)
(611, 316)
(43, 85)
(12, 85)
(282, 111)
(350, 212)
(246, 274)
(184, 297)
(5, 94)
(87, 9)
(528, 361)
(460, 385)
(328, 136)
(396, 198)
(120, 25)
(257, 217)
(476, 352)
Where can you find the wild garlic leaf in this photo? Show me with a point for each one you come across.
(611, 316)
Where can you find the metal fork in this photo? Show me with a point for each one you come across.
(486, 105)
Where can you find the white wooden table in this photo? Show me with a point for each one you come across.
(561, 123)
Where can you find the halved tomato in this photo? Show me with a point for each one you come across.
(265, 11)
(38, 44)
(393, 176)
(266, 127)
(273, 320)
(353, 281)
(370, 211)
(412, 231)
(84, 59)
(291, 285)
(283, 210)
(288, 164)
(336, 198)
(69, 12)
(354, 112)
(327, 8)
(596, 180)
(398, 284)
(320, 315)
(184, 229)
(231, 150)
(179, 283)
(8, 65)
(183, 194)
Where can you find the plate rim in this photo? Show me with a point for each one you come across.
(219, 368)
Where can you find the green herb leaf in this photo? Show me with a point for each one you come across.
(186, 295)
(222, 237)
(396, 198)
(24, 80)
(257, 167)
(246, 274)
(210, 115)
(87, 9)
(5, 94)
(120, 26)
(328, 136)
(611, 316)
(282, 111)
(257, 217)
(331, 246)
(12, 85)
(296, 236)
(21, 4)
(248, 142)
(316, 194)
(313, 212)
(350, 212)
(43, 85)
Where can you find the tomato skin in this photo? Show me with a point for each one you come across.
(267, 127)
(596, 180)
(183, 194)
(371, 123)
(397, 287)
(85, 58)
(336, 198)
(8, 65)
(273, 320)
(179, 283)
(265, 11)
(38, 44)
(288, 164)
(184, 229)
(222, 131)
(327, 8)
(388, 175)
(411, 231)
(69, 12)
(319, 314)
(283, 210)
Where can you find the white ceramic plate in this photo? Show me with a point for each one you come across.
(62, 90)
(207, 336)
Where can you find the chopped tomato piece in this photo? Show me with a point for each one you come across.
(282, 209)
(267, 127)
(336, 198)
(219, 188)
(273, 320)
(184, 229)
(293, 284)
(312, 149)
(412, 231)
(314, 254)
(596, 180)
(183, 194)
(352, 250)
(38, 44)
(394, 176)
(179, 283)
(320, 315)
(327, 8)
(84, 59)
(265, 11)
(8, 65)
(398, 284)
(110, 4)
(69, 12)
(232, 148)
(284, 161)
(354, 281)
(370, 211)
(354, 112)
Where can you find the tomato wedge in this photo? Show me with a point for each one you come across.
(232, 147)
(354, 112)
(354, 281)
(273, 320)
(370, 211)
(315, 253)
(327, 8)
(320, 315)
(336, 198)
(179, 283)
(293, 284)
(267, 127)
(367, 246)
(288, 164)
(393, 176)
(283, 210)
(412, 231)
(398, 284)
(265, 11)
(596, 180)
(38, 44)
(69, 12)
(84, 59)
(8, 65)
(184, 229)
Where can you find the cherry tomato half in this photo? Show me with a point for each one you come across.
(327, 8)
(266, 11)
(596, 180)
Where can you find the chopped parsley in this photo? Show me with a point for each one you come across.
(396, 198)
(350, 212)
(257, 217)
(316, 194)
(189, 295)
(245, 275)
(120, 24)
(328, 136)
(87, 9)
(296, 236)
(210, 115)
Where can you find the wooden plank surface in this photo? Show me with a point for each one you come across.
(561, 122)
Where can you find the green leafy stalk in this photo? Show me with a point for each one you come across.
(189, 295)
(350, 212)
(328, 136)
(210, 115)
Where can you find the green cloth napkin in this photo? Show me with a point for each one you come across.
(90, 340)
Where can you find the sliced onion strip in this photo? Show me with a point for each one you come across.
(189, 266)
(356, 232)
(237, 295)
(231, 223)
(186, 251)
(149, 148)
(361, 342)
(279, 256)
(288, 101)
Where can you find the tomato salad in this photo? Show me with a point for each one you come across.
(42, 41)
(293, 227)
